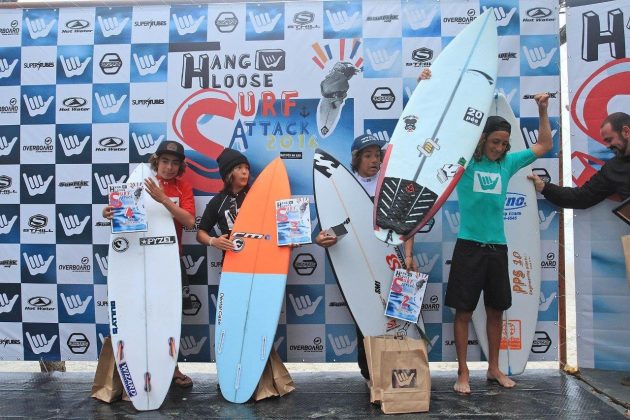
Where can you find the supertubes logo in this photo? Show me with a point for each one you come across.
(209, 114)
(590, 107)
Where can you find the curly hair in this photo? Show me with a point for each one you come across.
(153, 162)
(478, 154)
(356, 159)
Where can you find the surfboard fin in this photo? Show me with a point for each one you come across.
(121, 354)
(220, 349)
(171, 347)
(262, 347)
(237, 381)
(147, 382)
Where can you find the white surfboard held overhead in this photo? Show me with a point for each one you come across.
(145, 305)
(522, 232)
(437, 132)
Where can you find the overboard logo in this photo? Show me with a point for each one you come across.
(304, 264)
(550, 262)
(127, 380)
(434, 304)
(316, 347)
(541, 342)
(462, 20)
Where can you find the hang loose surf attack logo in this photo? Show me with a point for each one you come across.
(210, 114)
(590, 105)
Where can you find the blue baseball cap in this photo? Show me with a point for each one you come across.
(366, 140)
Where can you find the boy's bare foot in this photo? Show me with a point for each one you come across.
(462, 386)
(500, 378)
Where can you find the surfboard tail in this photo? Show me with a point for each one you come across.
(402, 205)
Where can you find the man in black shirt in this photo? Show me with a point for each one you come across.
(612, 178)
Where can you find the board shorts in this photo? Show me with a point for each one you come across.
(478, 267)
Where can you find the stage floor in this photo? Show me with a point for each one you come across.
(539, 394)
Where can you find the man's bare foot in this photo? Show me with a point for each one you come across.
(500, 378)
(462, 386)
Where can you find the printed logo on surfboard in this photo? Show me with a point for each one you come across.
(127, 380)
(120, 244)
(158, 240)
(473, 116)
(410, 123)
(324, 163)
(239, 243)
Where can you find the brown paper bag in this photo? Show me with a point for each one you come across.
(107, 385)
(625, 240)
(406, 384)
(399, 374)
(282, 380)
(275, 380)
(265, 388)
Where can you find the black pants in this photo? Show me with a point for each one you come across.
(361, 357)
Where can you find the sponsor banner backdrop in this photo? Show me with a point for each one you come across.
(88, 93)
(599, 76)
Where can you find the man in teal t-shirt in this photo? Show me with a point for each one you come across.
(480, 257)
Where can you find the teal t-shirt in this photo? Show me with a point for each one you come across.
(481, 193)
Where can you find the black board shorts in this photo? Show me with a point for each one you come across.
(478, 267)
